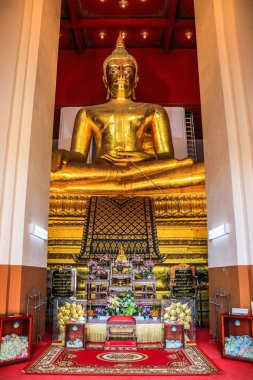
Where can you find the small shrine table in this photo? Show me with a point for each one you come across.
(96, 288)
(147, 287)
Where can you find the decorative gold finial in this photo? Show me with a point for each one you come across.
(120, 41)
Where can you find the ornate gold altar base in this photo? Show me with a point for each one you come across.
(181, 229)
(145, 332)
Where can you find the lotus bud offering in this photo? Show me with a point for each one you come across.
(178, 312)
(69, 312)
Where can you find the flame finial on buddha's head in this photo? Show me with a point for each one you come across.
(120, 41)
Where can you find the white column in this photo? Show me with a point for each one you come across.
(29, 31)
(224, 38)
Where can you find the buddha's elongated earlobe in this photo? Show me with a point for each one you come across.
(107, 94)
(106, 86)
(135, 84)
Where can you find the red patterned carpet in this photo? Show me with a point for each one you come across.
(58, 360)
(231, 369)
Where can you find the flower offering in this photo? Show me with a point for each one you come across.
(120, 265)
(137, 260)
(92, 266)
(69, 312)
(179, 312)
(154, 313)
(113, 304)
(90, 313)
(105, 260)
(145, 311)
(128, 305)
(143, 272)
(150, 265)
(100, 311)
(100, 271)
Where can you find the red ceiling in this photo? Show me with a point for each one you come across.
(111, 8)
(165, 22)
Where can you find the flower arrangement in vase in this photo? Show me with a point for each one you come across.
(150, 265)
(145, 312)
(100, 311)
(137, 261)
(91, 264)
(105, 260)
(128, 305)
(100, 272)
(90, 312)
(154, 312)
(143, 272)
(120, 265)
(113, 305)
(92, 267)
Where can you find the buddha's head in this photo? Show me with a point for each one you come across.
(120, 72)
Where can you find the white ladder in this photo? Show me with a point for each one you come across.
(190, 135)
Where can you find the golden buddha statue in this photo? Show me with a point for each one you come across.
(133, 141)
(121, 257)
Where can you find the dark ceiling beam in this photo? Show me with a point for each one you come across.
(171, 24)
(73, 19)
(126, 23)
(184, 23)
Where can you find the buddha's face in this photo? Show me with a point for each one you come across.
(121, 77)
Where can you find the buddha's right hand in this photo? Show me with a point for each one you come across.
(59, 157)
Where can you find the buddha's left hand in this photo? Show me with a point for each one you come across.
(126, 157)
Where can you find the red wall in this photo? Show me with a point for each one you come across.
(165, 78)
